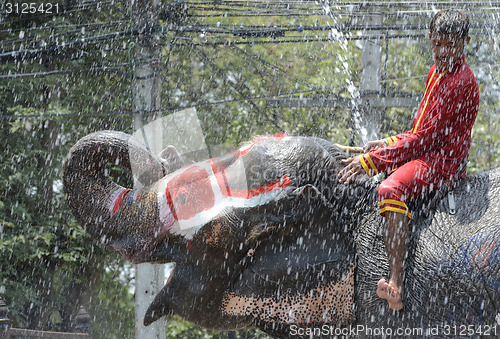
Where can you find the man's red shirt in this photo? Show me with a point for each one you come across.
(441, 131)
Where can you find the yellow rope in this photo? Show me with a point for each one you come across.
(349, 149)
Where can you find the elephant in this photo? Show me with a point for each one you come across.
(266, 237)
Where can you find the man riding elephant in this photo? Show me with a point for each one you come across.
(265, 236)
(432, 153)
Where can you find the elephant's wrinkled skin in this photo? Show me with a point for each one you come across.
(266, 237)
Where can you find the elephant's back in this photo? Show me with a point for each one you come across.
(453, 260)
(476, 196)
(457, 257)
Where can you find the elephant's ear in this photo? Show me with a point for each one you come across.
(303, 276)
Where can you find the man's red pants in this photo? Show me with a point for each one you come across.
(410, 181)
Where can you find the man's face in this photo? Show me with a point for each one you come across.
(447, 49)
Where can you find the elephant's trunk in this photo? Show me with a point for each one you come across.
(124, 219)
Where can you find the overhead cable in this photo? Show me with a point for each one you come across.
(36, 52)
(178, 108)
(64, 71)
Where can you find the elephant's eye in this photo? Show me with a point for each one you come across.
(190, 193)
(181, 199)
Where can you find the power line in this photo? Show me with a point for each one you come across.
(64, 71)
(384, 3)
(262, 31)
(36, 53)
(70, 27)
(252, 30)
(177, 108)
(89, 24)
(321, 13)
(351, 5)
(347, 8)
(302, 39)
(390, 4)
(54, 36)
(269, 31)
(252, 14)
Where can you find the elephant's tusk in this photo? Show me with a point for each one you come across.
(350, 149)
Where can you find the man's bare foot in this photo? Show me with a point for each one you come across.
(390, 292)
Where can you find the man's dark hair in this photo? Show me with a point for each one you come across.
(450, 21)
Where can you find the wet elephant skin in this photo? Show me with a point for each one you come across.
(266, 237)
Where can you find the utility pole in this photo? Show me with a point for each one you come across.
(147, 81)
(370, 118)
(367, 112)
(146, 98)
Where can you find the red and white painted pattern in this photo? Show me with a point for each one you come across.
(118, 196)
(116, 199)
(196, 194)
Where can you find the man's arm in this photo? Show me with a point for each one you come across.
(448, 113)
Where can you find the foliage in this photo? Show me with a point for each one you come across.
(180, 328)
(112, 305)
(49, 266)
(48, 263)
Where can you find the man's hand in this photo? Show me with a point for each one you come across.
(375, 144)
(352, 172)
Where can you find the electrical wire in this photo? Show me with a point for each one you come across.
(339, 8)
(116, 36)
(64, 71)
(89, 24)
(24, 54)
(321, 13)
(279, 30)
(361, 3)
(289, 39)
(177, 108)
(341, 28)
(253, 14)
(301, 39)
(65, 35)
(350, 7)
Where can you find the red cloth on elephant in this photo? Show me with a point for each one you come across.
(440, 138)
